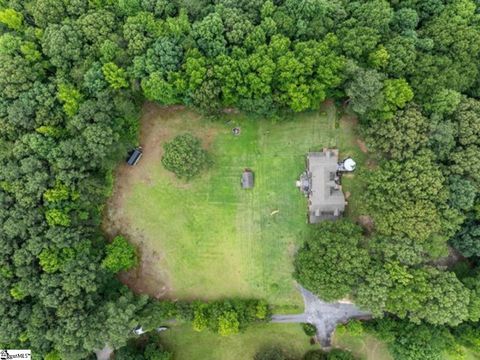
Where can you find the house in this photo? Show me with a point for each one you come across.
(247, 179)
(321, 184)
(134, 157)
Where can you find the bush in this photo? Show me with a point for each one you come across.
(309, 329)
(121, 255)
(315, 355)
(338, 354)
(184, 156)
(147, 347)
(226, 317)
(273, 353)
(354, 328)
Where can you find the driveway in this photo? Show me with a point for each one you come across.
(325, 316)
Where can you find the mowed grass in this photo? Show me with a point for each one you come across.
(365, 346)
(216, 239)
(186, 343)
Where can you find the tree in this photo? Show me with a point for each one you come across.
(332, 245)
(444, 102)
(467, 117)
(405, 19)
(208, 34)
(401, 137)
(409, 199)
(70, 97)
(121, 255)
(396, 94)
(467, 241)
(424, 294)
(155, 87)
(401, 55)
(11, 18)
(364, 90)
(62, 44)
(410, 341)
(184, 156)
(147, 347)
(47, 12)
(115, 76)
(228, 323)
(462, 193)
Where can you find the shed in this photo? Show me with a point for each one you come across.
(247, 179)
(134, 157)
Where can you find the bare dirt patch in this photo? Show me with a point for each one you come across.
(362, 146)
(158, 124)
(367, 223)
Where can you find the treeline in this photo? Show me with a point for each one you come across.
(406, 340)
(225, 317)
(73, 74)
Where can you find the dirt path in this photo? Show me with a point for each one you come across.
(325, 316)
(105, 353)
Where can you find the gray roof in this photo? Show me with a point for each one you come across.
(134, 157)
(247, 179)
(325, 196)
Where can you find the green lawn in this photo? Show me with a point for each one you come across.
(365, 347)
(188, 344)
(215, 239)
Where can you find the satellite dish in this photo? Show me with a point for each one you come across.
(349, 164)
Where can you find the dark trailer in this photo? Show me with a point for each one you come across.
(134, 157)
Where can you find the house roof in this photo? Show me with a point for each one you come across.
(326, 199)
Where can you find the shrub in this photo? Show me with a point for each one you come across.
(121, 255)
(56, 217)
(338, 354)
(315, 355)
(273, 353)
(147, 347)
(53, 355)
(262, 310)
(354, 328)
(228, 323)
(309, 329)
(184, 156)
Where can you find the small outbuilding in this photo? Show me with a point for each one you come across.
(134, 157)
(247, 179)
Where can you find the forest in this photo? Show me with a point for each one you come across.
(74, 73)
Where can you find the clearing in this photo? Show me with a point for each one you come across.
(208, 238)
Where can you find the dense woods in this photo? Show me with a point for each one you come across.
(73, 74)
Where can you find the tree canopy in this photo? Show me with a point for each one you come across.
(73, 74)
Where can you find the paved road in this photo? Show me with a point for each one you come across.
(325, 316)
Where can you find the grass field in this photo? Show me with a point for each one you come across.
(363, 347)
(209, 238)
(191, 345)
